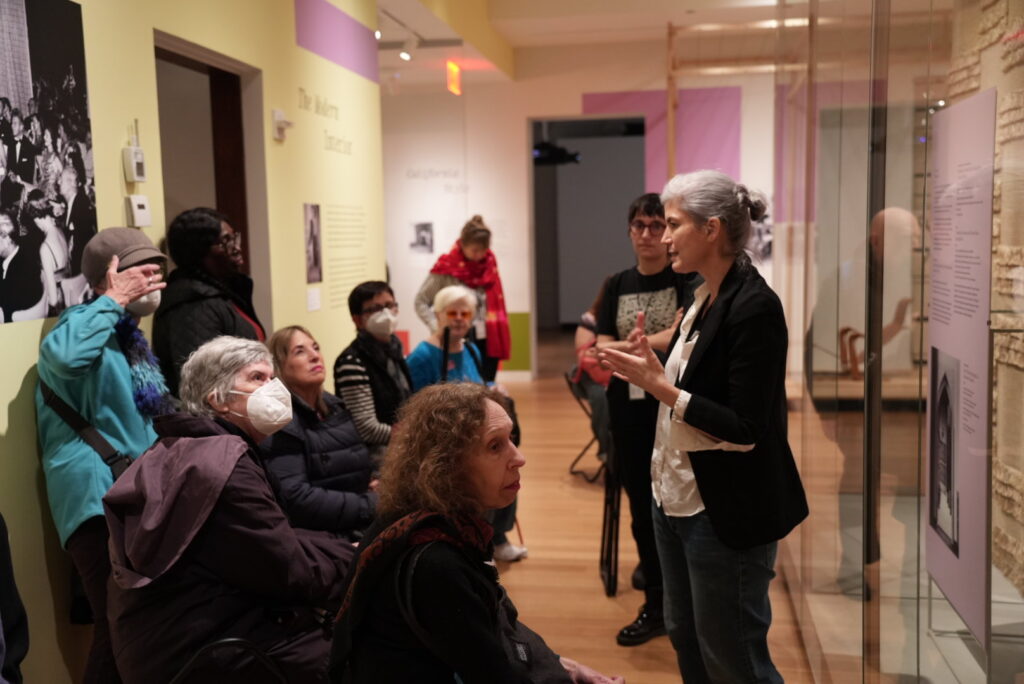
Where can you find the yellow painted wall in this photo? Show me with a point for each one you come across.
(121, 73)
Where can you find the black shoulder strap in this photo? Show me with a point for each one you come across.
(403, 591)
(90, 435)
(445, 339)
(477, 361)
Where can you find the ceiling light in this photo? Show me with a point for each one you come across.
(410, 45)
(376, 34)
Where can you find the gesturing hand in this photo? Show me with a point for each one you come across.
(128, 285)
(633, 339)
(641, 368)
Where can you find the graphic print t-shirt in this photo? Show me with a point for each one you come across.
(658, 296)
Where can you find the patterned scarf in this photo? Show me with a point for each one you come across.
(148, 388)
(482, 274)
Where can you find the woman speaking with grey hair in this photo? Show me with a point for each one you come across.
(726, 487)
(200, 549)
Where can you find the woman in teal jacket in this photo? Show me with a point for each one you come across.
(97, 361)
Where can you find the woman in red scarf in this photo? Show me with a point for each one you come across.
(471, 263)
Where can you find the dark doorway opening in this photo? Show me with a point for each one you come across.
(202, 140)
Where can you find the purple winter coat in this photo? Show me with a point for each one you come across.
(201, 551)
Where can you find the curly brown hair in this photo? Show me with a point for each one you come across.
(437, 430)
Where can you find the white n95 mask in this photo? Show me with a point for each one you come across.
(382, 323)
(144, 305)
(269, 407)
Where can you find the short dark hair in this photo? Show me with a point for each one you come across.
(17, 113)
(648, 204)
(364, 292)
(191, 234)
(5, 102)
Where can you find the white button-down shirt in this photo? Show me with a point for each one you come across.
(672, 479)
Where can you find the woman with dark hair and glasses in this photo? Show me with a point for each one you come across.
(652, 287)
(207, 295)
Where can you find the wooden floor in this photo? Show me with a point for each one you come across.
(558, 589)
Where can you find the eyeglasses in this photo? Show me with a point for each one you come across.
(464, 314)
(231, 240)
(655, 228)
(390, 306)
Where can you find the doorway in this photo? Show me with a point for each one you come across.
(585, 174)
(212, 146)
(201, 139)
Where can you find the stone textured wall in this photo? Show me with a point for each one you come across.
(988, 52)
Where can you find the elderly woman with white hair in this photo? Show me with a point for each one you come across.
(200, 549)
(447, 356)
(432, 361)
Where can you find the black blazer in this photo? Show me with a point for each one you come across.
(79, 227)
(23, 163)
(22, 287)
(737, 376)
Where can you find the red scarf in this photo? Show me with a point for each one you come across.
(483, 275)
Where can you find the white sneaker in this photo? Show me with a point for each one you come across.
(509, 552)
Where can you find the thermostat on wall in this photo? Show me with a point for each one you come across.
(138, 211)
(134, 164)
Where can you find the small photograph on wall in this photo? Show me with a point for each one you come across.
(47, 189)
(943, 497)
(314, 253)
(422, 238)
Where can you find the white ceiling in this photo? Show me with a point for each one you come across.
(714, 31)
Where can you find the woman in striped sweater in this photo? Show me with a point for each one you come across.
(370, 375)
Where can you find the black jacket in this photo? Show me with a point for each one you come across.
(456, 601)
(322, 469)
(200, 550)
(737, 376)
(388, 396)
(195, 308)
(22, 287)
(79, 228)
(13, 620)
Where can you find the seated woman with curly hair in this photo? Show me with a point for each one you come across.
(424, 604)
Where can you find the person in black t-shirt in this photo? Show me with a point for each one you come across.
(652, 287)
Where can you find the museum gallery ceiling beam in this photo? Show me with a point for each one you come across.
(470, 19)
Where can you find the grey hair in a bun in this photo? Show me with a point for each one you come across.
(710, 194)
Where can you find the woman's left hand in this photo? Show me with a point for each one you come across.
(581, 674)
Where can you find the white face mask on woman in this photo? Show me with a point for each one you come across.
(382, 324)
(144, 305)
(269, 408)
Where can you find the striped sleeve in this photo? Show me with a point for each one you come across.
(352, 385)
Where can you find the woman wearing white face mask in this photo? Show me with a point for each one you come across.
(97, 362)
(200, 548)
(370, 375)
(323, 471)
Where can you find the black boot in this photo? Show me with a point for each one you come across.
(638, 579)
(648, 624)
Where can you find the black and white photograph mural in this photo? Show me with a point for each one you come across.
(47, 191)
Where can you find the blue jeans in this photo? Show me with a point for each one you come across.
(716, 602)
